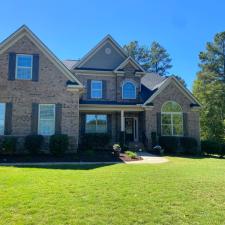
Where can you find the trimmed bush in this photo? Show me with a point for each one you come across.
(132, 155)
(189, 145)
(170, 144)
(8, 145)
(33, 143)
(95, 141)
(211, 147)
(58, 144)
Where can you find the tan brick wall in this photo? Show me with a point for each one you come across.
(51, 88)
(171, 92)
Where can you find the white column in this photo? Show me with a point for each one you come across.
(122, 121)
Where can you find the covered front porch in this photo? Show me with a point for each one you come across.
(127, 120)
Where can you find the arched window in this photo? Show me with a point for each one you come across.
(171, 119)
(129, 90)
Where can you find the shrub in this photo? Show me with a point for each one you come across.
(95, 141)
(189, 145)
(116, 150)
(131, 154)
(33, 143)
(58, 144)
(9, 145)
(211, 147)
(170, 144)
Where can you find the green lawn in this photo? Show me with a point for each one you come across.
(182, 191)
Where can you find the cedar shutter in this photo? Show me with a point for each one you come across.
(104, 89)
(58, 118)
(35, 71)
(12, 66)
(88, 89)
(109, 124)
(185, 124)
(34, 118)
(158, 120)
(8, 118)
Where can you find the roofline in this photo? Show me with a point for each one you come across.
(25, 31)
(93, 50)
(178, 84)
(132, 61)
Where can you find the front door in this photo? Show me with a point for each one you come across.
(129, 129)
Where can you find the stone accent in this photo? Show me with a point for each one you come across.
(51, 88)
(172, 93)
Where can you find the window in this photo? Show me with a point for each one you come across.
(129, 90)
(24, 67)
(46, 122)
(96, 89)
(171, 119)
(2, 118)
(96, 123)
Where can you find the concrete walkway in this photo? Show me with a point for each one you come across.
(149, 159)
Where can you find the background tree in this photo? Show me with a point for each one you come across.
(209, 88)
(154, 59)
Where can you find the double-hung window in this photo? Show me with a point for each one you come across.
(2, 118)
(46, 121)
(96, 123)
(24, 67)
(96, 89)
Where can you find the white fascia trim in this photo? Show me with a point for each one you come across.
(86, 57)
(25, 31)
(184, 90)
(132, 61)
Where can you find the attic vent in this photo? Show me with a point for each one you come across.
(107, 51)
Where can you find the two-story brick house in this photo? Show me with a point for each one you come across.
(105, 91)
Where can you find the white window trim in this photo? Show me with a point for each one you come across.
(134, 90)
(17, 55)
(96, 124)
(92, 89)
(39, 106)
(4, 118)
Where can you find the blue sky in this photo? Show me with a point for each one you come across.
(71, 28)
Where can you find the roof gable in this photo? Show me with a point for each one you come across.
(106, 55)
(131, 63)
(25, 31)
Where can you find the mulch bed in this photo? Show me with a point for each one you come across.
(126, 158)
(75, 157)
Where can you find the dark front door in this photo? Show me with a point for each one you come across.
(129, 129)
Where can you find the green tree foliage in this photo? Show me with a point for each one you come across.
(209, 88)
(154, 59)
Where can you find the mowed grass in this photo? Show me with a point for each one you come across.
(182, 191)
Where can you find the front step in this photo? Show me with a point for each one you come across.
(136, 146)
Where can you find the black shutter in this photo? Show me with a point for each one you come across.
(185, 124)
(12, 66)
(109, 124)
(8, 118)
(82, 125)
(88, 89)
(104, 89)
(34, 118)
(58, 118)
(35, 72)
(158, 120)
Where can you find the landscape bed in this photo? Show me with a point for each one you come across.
(182, 191)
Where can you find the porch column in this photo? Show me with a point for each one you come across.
(122, 121)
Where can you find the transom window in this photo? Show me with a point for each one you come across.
(24, 67)
(129, 90)
(46, 122)
(96, 89)
(2, 118)
(171, 119)
(96, 123)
